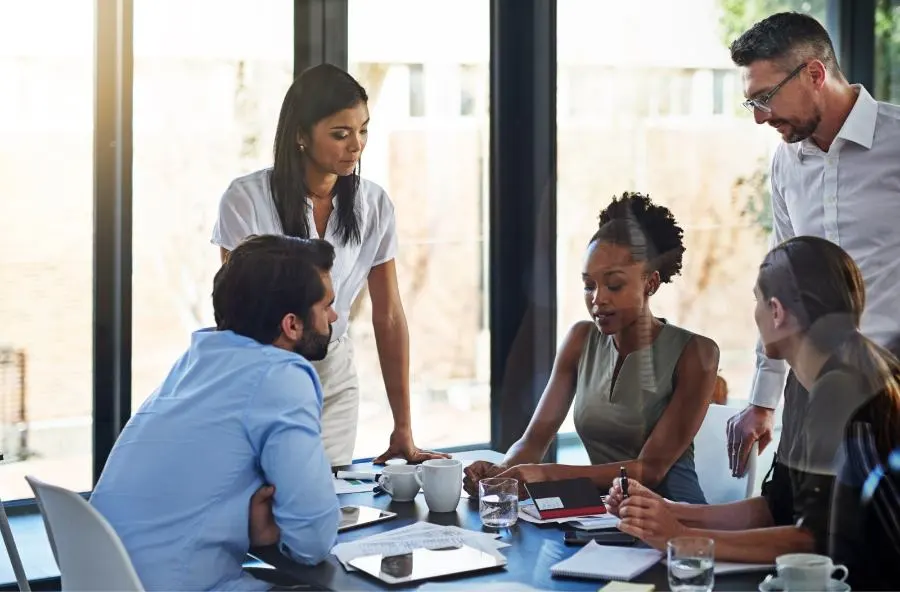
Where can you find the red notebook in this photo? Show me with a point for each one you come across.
(566, 498)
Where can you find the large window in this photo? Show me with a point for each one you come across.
(428, 99)
(46, 232)
(209, 78)
(649, 101)
(887, 50)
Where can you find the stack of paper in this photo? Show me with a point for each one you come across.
(606, 562)
(421, 535)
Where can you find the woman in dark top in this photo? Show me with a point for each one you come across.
(810, 297)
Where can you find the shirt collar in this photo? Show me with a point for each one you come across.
(859, 127)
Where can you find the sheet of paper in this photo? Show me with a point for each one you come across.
(598, 523)
(352, 485)
(416, 536)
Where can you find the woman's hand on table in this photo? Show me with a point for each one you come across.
(478, 470)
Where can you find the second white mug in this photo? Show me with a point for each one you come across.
(441, 480)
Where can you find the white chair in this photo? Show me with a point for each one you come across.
(711, 459)
(13, 551)
(88, 552)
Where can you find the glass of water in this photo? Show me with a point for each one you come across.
(498, 502)
(691, 564)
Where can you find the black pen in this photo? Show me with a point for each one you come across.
(624, 477)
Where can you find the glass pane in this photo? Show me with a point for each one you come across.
(428, 146)
(887, 51)
(209, 78)
(46, 237)
(660, 110)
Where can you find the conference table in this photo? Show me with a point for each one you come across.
(533, 549)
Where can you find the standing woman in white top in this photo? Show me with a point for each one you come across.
(314, 191)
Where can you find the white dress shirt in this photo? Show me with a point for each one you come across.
(849, 195)
(247, 208)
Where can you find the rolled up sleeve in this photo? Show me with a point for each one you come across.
(284, 422)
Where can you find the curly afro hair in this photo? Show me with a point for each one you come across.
(650, 231)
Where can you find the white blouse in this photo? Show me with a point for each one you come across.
(247, 208)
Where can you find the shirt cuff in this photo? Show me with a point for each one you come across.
(768, 384)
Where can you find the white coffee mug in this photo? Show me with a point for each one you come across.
(399, 481)
(807, 572)
(441, 480)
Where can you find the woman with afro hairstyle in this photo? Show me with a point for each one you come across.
(641, 386)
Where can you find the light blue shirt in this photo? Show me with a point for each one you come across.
(232, 415)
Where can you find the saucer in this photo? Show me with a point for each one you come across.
(774, 584)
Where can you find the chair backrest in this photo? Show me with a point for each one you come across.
(88, 551)
(711, 459)
(13, 551)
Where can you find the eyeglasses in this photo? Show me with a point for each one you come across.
(762, 103)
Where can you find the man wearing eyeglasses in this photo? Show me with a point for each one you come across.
(836, 176)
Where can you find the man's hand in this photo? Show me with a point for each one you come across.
(531, 473)
(649, 518)
(402, 446)
(753, 424)
(616, 496)
(478, 470)
(263, 530)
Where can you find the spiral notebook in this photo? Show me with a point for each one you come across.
(600, 562)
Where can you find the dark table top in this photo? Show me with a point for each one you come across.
(534, 549)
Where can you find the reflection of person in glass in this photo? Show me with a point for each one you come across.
(314, 190)
(397, 566)
(841, 418)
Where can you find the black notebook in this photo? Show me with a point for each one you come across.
(566, 498)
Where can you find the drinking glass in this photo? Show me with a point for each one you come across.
(498, 502)
(691, 564)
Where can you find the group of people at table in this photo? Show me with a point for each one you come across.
(234, 450)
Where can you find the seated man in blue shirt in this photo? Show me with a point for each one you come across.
(238, 417)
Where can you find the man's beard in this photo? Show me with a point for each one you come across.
(801, 130)
(313, 345)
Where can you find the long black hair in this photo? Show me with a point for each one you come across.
(319, 92)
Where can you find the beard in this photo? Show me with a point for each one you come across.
(313, 345)
(799, 129)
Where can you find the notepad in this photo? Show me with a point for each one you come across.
(595, 561)
(626, 587)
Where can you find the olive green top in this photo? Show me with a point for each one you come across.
(614, 418)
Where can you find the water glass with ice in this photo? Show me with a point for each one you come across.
(498, 502)
(691, 563)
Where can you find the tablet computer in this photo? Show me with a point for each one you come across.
(425, 564)
(356, 516)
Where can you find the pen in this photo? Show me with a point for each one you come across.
(624, 477)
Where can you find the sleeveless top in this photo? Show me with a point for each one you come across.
(614, 421)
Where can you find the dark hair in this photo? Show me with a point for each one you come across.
(651, 232)
(267, 277)
(319, 92)
(821, 286)
(789, 38)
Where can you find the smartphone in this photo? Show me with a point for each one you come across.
(356, 516)
(581, 537)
